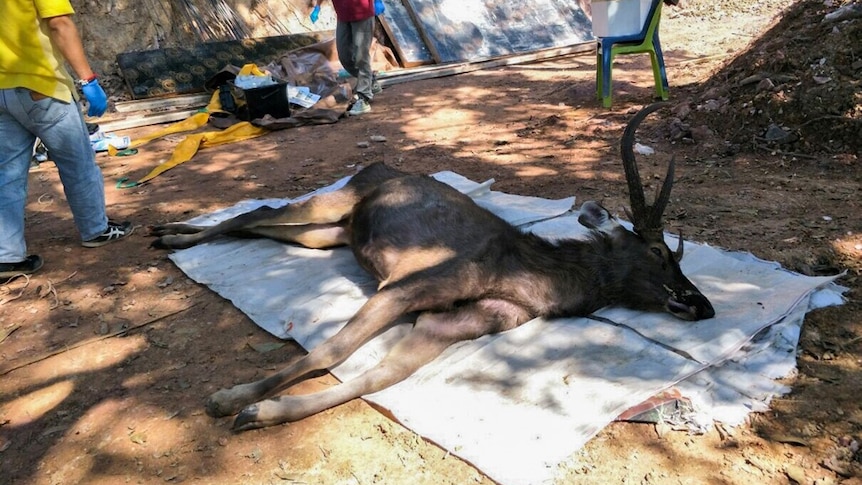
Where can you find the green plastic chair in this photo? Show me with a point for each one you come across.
(646, 41)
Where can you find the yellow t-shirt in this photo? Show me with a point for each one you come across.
(28, 58)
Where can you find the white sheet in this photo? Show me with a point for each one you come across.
(516, 404)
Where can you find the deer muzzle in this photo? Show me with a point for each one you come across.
(689, 305)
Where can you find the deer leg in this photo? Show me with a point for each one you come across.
(432, 334)
(175, 228)
(378, 312)
(314, 236)
(328, 208)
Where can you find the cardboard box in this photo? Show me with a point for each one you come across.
(254, 103)
(614, 18)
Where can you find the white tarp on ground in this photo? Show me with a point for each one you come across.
(517, 404)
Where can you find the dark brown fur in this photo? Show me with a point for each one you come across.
(466, 272)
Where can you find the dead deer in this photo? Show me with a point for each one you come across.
(466, 272)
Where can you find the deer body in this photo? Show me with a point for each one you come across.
(403, 233)
(465, 271)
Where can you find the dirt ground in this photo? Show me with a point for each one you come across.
(107, 355)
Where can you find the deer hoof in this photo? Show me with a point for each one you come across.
(247, 419)
(170, 241)
(220, 404)
(269, 412)
(159, 244)
(158, 230)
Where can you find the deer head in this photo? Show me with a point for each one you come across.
(650, 276)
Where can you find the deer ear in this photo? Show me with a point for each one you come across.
(594, 216)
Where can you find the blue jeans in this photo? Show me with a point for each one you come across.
(61, 128)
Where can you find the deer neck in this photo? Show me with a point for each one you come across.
(572, 277)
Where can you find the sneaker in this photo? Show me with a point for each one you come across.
(114, 232)
(376, 87)
(360, 107)
(40, 153)
(28, 266)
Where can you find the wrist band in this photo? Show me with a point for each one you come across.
(84, 82)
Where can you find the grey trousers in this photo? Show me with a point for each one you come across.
(353, 42)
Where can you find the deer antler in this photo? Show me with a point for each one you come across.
(646, 218)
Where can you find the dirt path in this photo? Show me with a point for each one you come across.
(114, 349)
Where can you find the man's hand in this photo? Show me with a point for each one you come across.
(96, 97)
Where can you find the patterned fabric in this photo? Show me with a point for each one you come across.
(28, 59)
(182, 70)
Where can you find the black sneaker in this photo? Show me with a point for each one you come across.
(28, 266)
(114, 232)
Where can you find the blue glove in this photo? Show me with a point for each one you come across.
(315, 14)
(95, 95)
(379, 8)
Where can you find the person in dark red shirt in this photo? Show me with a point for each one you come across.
(353, 34)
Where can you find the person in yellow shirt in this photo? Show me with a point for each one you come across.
(38, 99)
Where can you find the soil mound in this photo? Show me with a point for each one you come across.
(797, 88)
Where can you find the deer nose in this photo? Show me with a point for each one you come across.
(690, 305)
(702, 306)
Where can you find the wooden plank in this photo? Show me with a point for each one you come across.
(139, 121)
(423, 33)
(469, 30)
(404, 35)
(182, 101)
(430, 72)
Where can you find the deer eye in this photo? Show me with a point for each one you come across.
(656, 251)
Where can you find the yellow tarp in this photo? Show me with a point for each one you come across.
(192, 143)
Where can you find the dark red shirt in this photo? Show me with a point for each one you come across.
(353, 10)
